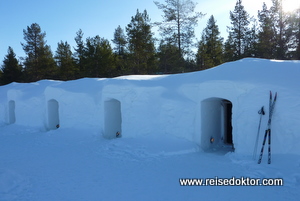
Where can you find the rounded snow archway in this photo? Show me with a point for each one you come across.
(112, 118)
(11, 112)
(216, 127)
(53, 114)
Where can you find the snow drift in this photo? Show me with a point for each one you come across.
(216, 108)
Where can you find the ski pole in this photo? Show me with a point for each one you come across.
(261, 112)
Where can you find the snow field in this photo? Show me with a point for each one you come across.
(64, 164)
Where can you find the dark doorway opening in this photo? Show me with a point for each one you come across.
(227, 108)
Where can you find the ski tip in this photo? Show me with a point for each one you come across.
(275, 96)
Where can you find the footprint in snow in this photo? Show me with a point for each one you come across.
(12, 185)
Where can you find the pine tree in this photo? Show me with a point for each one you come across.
(201, 55)
(297, 35)
(283, 26)
(141, 44)
(266, 35)
(279, 23)
(107, 61)
(293, 32)
(239, 30)
(1, 74)
(277, 32)
(178, 24)
(210, 49)
(66, 65)
(39, 62)
(190, 64)
(99, 57)
(170, 60)
(12, 70)
(120, 42)
(251, 41)
(80, 54)
(230, 49)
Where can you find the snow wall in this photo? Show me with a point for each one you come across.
(215, 108)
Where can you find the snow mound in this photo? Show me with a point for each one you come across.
(220, 104)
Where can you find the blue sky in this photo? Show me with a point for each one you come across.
(61, 19)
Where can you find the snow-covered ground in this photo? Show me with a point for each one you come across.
(166, 123)
(72, 164)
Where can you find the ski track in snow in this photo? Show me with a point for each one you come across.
(69, 164)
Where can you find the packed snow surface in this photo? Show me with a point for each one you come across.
(72, 164)
(166, 124)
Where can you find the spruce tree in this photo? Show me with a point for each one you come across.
(39, 62)
(210, 49)
(66, 65)
(12, 70)
(141, 44)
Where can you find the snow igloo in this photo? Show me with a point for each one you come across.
(215, 108)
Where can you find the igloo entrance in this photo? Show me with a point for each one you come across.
(216, 124)
(11, 112)
(112, 118)
(53, 114)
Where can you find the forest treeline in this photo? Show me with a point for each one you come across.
(272, 34)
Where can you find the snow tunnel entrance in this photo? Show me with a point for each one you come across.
(11, 112)
(216, 124)
(53, 114)
(112, 119)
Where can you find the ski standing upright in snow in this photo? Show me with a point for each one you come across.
(268, 131)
